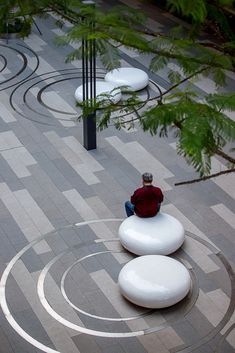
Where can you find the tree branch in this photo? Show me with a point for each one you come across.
(205, 177)
(225, 156)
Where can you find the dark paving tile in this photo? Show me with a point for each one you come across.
(8, 176)
(132, 345)
(5, 346)
(110, 264)
(86, 344)
(31, 261)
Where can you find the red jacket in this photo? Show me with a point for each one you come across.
(146, 200)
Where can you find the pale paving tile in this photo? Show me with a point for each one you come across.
(225, 213)
(195, 251)
(153, 344)
(44, 67)
(209, 309)
(102, 210)
(67, 123)
(35, 39)
(231, 115)
(56, 17)
(230, 74)
(5, 114)
(204, 83)
(54, 100)
(22, 218)
(59, 32)
(58, 303)
(18, 159)
(86, 212)
(85, 173)
(198, 252)
(131, 53)
(111, 290)
(170, 338)
(15, 164)
(141, 159)
(9, 140)
(223, 181)
(56, 332)
(77, 148)
(34, 211)
(82, 162)
(187, 224)
(220, 299)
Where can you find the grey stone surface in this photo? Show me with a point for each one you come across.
(48, 181)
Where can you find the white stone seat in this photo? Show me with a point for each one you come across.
(159, 235)
(154, 281)
(134, 78)
(102, 87)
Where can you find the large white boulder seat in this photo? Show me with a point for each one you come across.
(109, 90)
(154, 281)
(134, 78)
(159, 235)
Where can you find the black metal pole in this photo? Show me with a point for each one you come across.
(89, 90)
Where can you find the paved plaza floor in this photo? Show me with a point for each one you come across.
(61, 206)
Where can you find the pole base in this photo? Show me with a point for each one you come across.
(89, 132)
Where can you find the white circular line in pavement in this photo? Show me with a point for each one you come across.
(4, 305)
(3, 302)
(62, 287)
(65, 322)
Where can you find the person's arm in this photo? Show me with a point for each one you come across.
(161, 197)
(133, 198)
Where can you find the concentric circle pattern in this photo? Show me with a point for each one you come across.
(72, 279)
(35, 94)
(17, 64)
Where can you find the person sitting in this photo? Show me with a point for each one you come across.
(146, 201)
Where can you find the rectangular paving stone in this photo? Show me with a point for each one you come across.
(152, 344)
(58, 335)
(54, 174)
(187, 332)
(131, 150)
(21, 217)
(7, 250)
(209, 309)
(112, 292)
(225, 213)
(170, 338)
(85, 344)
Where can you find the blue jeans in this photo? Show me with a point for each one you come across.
(129, 207)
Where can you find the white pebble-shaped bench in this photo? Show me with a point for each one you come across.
(159, 235)
(110, 92)
(154, 281)
(134, 78)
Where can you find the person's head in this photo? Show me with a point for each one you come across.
(147, 178)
